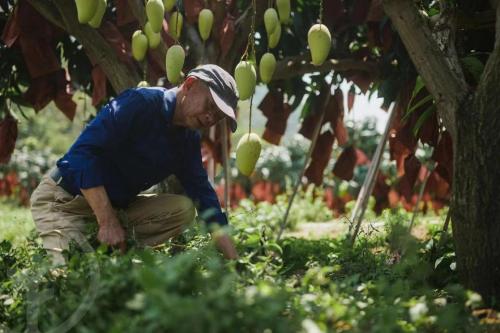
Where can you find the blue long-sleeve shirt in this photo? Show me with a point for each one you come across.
(132, 144)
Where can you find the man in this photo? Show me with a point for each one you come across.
(137, 140)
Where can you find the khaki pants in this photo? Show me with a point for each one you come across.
(60, 217)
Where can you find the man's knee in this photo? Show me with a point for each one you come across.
(187, 209)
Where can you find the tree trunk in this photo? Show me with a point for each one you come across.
(474, 121)
(476, 196)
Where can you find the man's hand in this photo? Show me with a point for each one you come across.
(112, 233)
(225, 245)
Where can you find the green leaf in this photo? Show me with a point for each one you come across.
(421, 120)
(419, 104)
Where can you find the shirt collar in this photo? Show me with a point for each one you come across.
(169, 100)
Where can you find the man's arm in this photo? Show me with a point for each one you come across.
(81, 165)
(194, 179)
(110, 230)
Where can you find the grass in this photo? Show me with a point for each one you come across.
(16, 223)
(389, 281)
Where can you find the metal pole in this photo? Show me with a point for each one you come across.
(225, 164)
(306, 162)
(369, 183)
(211, 162)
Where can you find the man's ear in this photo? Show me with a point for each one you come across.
(189, 82)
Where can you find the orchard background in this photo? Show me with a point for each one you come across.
(435, 62)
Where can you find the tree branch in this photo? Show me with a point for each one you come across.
(447, 88)
(299, 65)
(47, 11)
(120, 76)
(487, 98)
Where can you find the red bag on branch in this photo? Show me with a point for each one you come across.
(360, 11)
(11, 30)
(398, 152)
(320, 157)
(350, 100)
(335, 115)
(227, 34)
(192, 9)
(8, 136)
(53, 86)
(36, 40)
(437, 187)
(277, 114)
(271, 137)
(124, 14)
(99, 91)
(344, 167)
(360, 78)
(381, 194)
(309, 124)
(407, 182)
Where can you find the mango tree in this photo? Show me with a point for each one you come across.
(428, 56)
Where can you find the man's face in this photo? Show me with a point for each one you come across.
(199, 108)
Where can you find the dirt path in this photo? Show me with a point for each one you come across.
(339, 227)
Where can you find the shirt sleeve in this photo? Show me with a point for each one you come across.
(81, 165)
(194, 179)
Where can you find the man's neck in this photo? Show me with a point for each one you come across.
(177, 118)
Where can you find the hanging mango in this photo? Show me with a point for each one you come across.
(319, 40)
(175, 24)
(168, 5)
(154, 38)
(174, 61)
(247, 153)
(155, 12)
(274, 38)
(246, 79)
(96, 20)
(267, 66)
(86, 10)
(284, 10)
(205, 22)
(139, 45)
(271, 20)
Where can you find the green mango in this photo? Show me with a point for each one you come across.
(143, 84)
(274, 38)
(174, 62)
(95, 22)
(247, 153)
(139, 45)
(266, 67)
(271, 20)
(154, 38)
(155, 13)
(86, 10)
(246, 79)
(205, 22)
(174, 27)
(284, 10)
(319, 40)
(168, 5)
